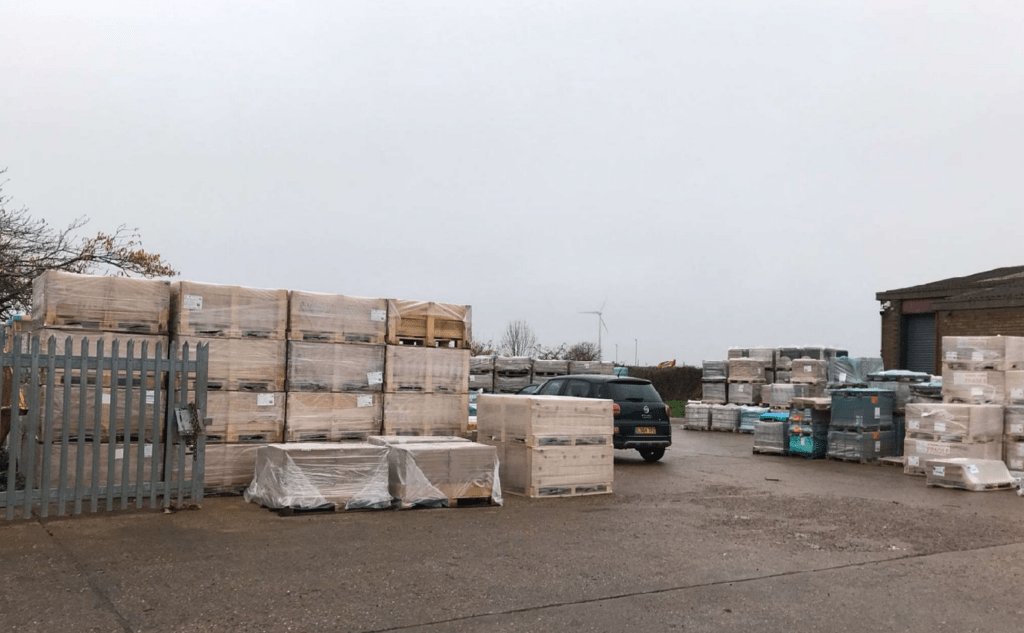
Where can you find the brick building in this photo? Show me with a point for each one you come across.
(915, 319)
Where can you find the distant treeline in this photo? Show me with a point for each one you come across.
(674, 383)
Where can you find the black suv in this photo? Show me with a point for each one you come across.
(641, 418)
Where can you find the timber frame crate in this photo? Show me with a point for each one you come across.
(327, 318)
(556, 471)
(212, 310)
(429, 324)
(330, 417)
(244, 364)
(426, 370)
(426, 414)
(92, 302)
(241, 416)
(335, 367)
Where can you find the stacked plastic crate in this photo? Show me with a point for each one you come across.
(901, 382)
(335, 367)
(512, 373)
(245, 330)
(862, 425)
(426, 376)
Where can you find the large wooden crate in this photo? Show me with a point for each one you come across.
(242, 416)
(426, 414)
(154, 347)
(244, 364)
(335, 367)
(437, 473)
(230, 467)
(90, 302)
(212, 310)
(147, 413)
(426, 370)
(51, 476)
(591, 367)
(429, 324)
(330, 417)
(328, 318)
(544, 420)
(556, 471)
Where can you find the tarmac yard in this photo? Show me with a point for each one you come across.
(712, 538)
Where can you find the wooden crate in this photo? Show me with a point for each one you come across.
(429, 324)
(230, 467)
(244, 364)
(426, 414)
(213, 310)
(330, 417)
(91, 302)
(556, 471)
(143, 402)
(335, 367)
(52, 476)
(312, 475)
(240, 416)
(544, 420)
(155, 347)
(426, 370)
(437, 473)
(328, 318)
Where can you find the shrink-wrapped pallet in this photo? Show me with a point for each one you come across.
(544, 420)
(145, 411)
(714, 391)
(429, 324)
(744, 393)
(330, 417)
(859, 409)
(784, 377)
(481, 364)
(556, 471)
(854, 372)
(1013, 453)
(92, 302)
(425, 414)
(513, 366)
(388, 440)
(436, 473)
(244, 364)
(957, 422)
(242, 416)
(697, 416)
(976, 475)
(51, 477)
(212, 310)
(229, 467)
(331, 318)
(510, 384)
(809, 371)
(320, 475)
(481, 382)
(864, 447)
(746, 370)
(92, 340)
(426, 369)
(780, 395)
(335, 367)
(1013, 423)
(917, 451)
(749, 417)
(544, 369)
(766, 355)
(591, 367)
(974, 353)
(1015, 387)
(725, 417)
(770, 435)
(973, 387)
(716, 369)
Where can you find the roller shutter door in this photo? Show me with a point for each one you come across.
(921, 342)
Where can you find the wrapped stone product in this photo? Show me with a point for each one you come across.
(866, 448)
(332, 318)
(244, 364)
(213, 310)
(973, 387)
(1014, 353)
(782, 394)
(388, 440)
(1013, 454)
(697, 416)
(714, 391)
(426, 370)
(1015, 387)
(744, 393)
(925, 392)
(481, 364)
(242, 416)
(426, 414)
(93, 302)
(857, 409)
(510, 384)
(784, 376)
(1013, 423)
(591, 367)
(544, 369)
(331, 417)
(725, 417)
(435, 473)
(229, 467)
(783, 364)
(976, 475)
(513, 366)
(770, 433)
(746, 370)
(957, 422)
(974, 353)
(917, 451)
(545, 420)
(318, 475)
(716, 369)
(810, 371)
(52, 477)
(853, 372)
(749, 417)
(481, 382)
(556, 471)
(336, 367)
(429, 324)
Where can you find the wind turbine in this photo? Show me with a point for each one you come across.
(600, 324)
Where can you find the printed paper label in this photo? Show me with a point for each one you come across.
(977, 391)
(379, 316)
(147, 451)
(938, 471)
(976, 356)
(364, 401)
(150, 396)
(878, 413)
(265, 400)
(105, 398)
(472, 378)
(878, 447)
(193, 302)
(937, 448)
(940, 427)
(808, 368)
(842, 376)
(970, 378)
(375, 377)
(1017, 429)
(950, 355)
(971, 468)
(913, 425)
(1017, 393)
(913, 460)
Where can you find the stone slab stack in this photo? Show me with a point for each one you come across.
(512, 373)
(481, 374)
(545, 369)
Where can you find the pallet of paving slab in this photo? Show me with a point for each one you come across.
(575, 490)
(560, 440)
(110, 323)
(892, 461)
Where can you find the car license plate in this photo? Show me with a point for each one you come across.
(646, 430)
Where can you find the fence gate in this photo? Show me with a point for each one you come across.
(94, 429)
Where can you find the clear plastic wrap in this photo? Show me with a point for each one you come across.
(956, 422)
(481, 364)
(329, 318)
(429, 324)
(973, 387)
(714, 391)
(92, 341)
(974, 353)
(436, 473)
(976, 475)
(1013, 423)
(426, 370)
(388, 440)
(1014, 353)
(481, 383)
(746, 370)
(843, 370)
(604, 368)
(556, 471)
(513, 366)
(318, 475)
(770, 437)
(784, 376)
(244, 364)
(866, 448)
(544, 420)
(716, 369)
(725, 417)
(862, 408)
(809, 371)
(764, 354)
(330, 417)
(749, 417)
(697, 416)
(547, 368)
(917, 451)
(510, 384)
(93, 302)
(1015, 387)
(1013, 453)
(230, 467)
(744, 393)
(783, 363)
(143, 405)
(781, 394)
(426, 414)
(241, 416)
(335, 367)
(200, 309)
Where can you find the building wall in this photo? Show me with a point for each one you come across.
(891, 324)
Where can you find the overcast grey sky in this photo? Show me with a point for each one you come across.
(722, 173)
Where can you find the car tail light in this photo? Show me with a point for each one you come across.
(616, 410)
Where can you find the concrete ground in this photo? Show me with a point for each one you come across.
(712, 538)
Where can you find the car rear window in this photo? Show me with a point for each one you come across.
(632, 392)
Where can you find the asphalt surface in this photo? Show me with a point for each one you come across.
(712, 538)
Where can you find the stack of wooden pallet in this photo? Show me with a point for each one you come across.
(426, 380)
(245, 331)
(545, 369)
(335, 367)
(481, 374)
(512, 373)
(548, 446)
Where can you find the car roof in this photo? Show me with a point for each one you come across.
(604, 378)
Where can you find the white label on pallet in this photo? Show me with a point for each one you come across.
(878, 413)
(1017, 429)
(147, 451)
(1017, 393)
(193, 302)
(860, 420)
(977, 391)
(265, 400)
(808, 368)
(950, 355)
(379, 316)
(913, 460)
(150, 396)
(976, 356)
(105, 398)
(364, 401)
(940, 427)
(937, 448)
(938, 471)
(842, 376)
(1017, 464)
(375, 377)
(971, 468)
(878, 447)
(913, 425)
(970, 378)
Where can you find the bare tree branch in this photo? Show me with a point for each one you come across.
(518, 339)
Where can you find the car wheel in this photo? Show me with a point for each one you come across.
(651, 454)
